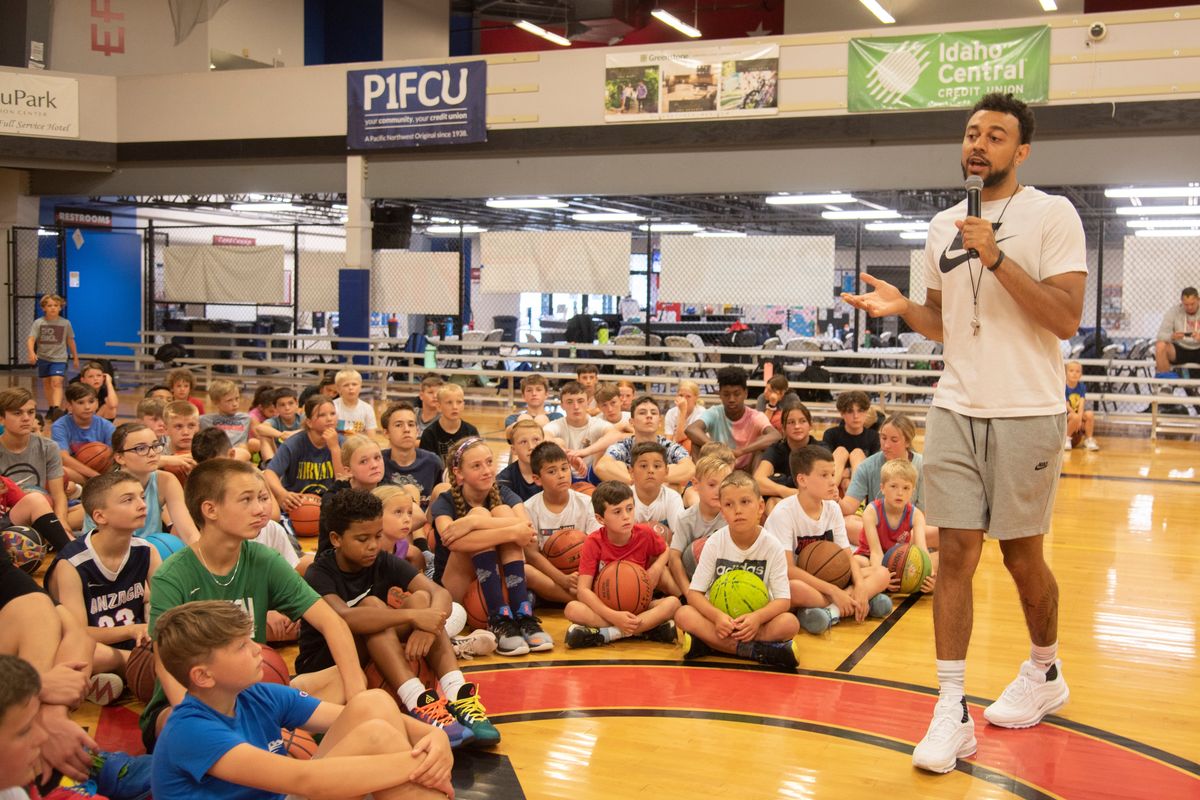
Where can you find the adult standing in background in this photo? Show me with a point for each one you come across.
(992, 451)
(1179, 335)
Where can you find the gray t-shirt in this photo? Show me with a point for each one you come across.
(30, 469)
(1179, 321)
(50, 338)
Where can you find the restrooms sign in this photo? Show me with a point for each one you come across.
(37, 105)
(416, 106)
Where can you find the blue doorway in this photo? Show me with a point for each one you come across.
(103, 288)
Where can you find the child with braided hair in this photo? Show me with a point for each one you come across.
(482, 529)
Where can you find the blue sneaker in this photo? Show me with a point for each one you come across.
(120, 776)
(879, 606)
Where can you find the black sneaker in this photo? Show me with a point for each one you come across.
(531, 630)
(776, 654)
(663, 633)
(694, 648)
(509, 641)
(583, 636)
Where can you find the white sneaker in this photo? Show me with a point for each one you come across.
(1030, 697)
(1067, 444)
(951, 736)
(1090, 444)
(475, 643)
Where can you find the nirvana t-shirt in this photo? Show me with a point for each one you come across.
(444, 507)
(424, 473)
(325, 577)
(577, 514)
(1011, 366)
(791, 525)
(765, 558)
(435, 439)
(302, 466)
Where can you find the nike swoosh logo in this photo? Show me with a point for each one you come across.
(947, 262)
(352, 603)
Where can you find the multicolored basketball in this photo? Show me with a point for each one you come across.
(663, 532)
(274, 669)
(299, 744)
(139, 672)
(563, 549)
(306, 517)
(25, 547)
(624, 586)
(475, 606)
(583, 487)
(910, 564)
(826, 561)
(691, 555)
(738, 592)
(96, 455)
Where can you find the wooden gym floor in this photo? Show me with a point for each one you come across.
(632, 720)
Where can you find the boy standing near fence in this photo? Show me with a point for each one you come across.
(50, 339)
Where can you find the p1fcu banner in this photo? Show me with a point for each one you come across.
(721, 82)
(37, 105)
(416, 106)
(946, 70)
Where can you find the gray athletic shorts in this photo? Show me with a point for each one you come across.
(996, 475)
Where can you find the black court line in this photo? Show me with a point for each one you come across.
(1130, 479)
(1141, 748)
(888, 623)
(1001, 780)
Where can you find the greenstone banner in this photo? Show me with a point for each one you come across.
(946, 70)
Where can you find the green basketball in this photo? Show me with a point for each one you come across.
(738, 592)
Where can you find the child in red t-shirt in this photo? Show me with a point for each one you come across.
(594, 623)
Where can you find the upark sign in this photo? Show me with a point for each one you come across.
(38, 105)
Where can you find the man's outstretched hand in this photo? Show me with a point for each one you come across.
(885, 301)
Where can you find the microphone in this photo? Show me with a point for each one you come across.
(974, 186)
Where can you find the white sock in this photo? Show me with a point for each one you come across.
(611, 633)
(1043, 657)
(952, 675)
(834, 612)
(451, 682)
(410, 693)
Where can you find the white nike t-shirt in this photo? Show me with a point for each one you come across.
(1013, 367)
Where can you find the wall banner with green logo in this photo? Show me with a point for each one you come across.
(946, 70)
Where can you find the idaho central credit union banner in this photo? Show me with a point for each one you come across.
(414, 106)
(943, 70)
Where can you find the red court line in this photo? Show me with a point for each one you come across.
(1054, 759)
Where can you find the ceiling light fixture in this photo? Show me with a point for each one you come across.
(607, 216)
(1154, 191)
(921, 235)
(1163, 223)
(671, 227)
(1169, 232)
(667, 18)
(268, 206)
(914, 225)
(525, 202)
(809, 199)
(862, 213)
(1157, 211)
(1049, 5)
(536, 30)
(876, 9)
(720, 234)
(453, 230)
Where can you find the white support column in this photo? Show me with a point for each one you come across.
(358, 214)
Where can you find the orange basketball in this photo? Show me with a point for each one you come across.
(826, 561)
(476, 607)
(624, 586)
(96, 455)
(306, 517)
(299, 744)
(584, 487)
(273, 667)
(663, 532)
(563, 549)
(139, 672)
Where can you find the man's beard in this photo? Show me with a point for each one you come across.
(994, 177)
